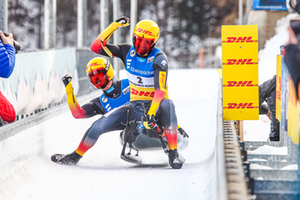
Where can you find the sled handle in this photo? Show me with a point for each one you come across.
(144, 111)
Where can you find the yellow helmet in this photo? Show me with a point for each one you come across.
(145, 36)
(99, 71)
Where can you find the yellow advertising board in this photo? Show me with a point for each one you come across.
(293, 122)
(240, 72)
(278, 88)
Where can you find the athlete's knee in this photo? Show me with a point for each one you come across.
(167, 104)
(96, 130)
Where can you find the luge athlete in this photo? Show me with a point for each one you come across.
(147, 70)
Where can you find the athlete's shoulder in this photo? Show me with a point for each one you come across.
(125, 47)
(161, 60)
(97, 105)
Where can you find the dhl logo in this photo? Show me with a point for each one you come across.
(239, 106)
(278, 90)
(94, 64)
(240, 62)
(162, 78)
(145, 32)
(239, 40)
(240, 84)
(142, 93)
(278, 95)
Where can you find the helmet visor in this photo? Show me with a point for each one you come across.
(142, 45)
(98, 78)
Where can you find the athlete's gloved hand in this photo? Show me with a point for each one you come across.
(183, 133)
(151, 126)
(124, 21)
(66, 79)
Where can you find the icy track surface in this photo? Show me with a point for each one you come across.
(26, 171)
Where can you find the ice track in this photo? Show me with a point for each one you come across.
(26, 171)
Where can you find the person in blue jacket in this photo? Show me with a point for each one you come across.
(7, 64)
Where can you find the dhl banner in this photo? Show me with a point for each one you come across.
(293, 117)
(289, 105)
(240, 72)
(278, 88)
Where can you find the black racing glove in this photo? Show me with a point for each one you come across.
(152, 128)
(183, 133)
(66, 79)
(124, 21)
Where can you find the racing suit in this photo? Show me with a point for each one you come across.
(148, 85)
(117, 95)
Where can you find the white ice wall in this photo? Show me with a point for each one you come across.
(36, 79)
(26, 171)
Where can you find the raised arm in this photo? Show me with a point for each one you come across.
(87, 110)
(100, 42)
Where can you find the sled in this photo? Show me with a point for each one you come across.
(135, 137)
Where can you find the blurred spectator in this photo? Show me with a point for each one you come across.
(292, 53)
(292, 59)
(7, 63)
(267, 92)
